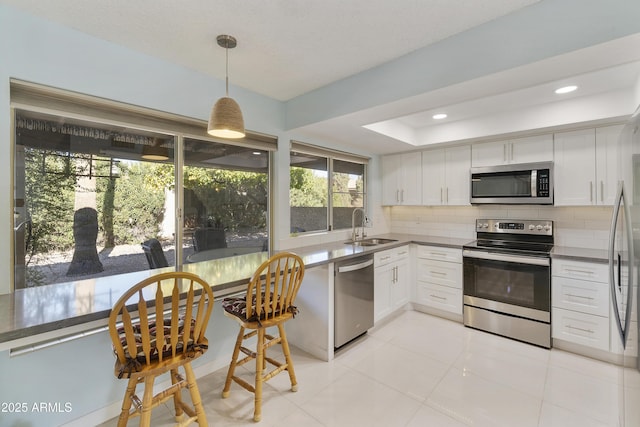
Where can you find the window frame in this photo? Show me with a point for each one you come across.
(331, 156)
(36, 98)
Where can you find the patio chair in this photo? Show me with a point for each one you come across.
(154, 253)
(209, 238)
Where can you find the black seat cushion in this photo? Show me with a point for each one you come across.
(238, 307)
(136, 357)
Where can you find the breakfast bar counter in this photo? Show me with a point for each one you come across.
(50, 311)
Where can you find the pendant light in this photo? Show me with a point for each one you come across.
(156, 151)
(226, 118)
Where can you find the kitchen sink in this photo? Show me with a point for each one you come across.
(370, 242)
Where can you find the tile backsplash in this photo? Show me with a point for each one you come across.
(580, 226)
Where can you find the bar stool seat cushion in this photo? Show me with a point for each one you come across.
(237, 306)
(135, 364)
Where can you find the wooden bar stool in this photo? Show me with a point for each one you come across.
(269, 302)
(160, 341)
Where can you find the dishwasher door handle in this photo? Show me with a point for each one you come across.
(354, 267)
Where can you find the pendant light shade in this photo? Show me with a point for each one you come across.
(226, 117)
(155, 152)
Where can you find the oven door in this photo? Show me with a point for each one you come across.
(515, 284)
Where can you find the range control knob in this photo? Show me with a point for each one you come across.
(485, 225)
(539, 227)
(547, 227)
(532, 227)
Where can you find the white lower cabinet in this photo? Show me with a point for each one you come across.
(391, 281)
(439, 278)
(440, 297)
(580, 303)
(580, 328)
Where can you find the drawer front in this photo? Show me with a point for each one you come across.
(442, 273)
(440, 254)
(441, 297)
(390, 255)
(580, 270)
(580, 295)
(383, 257)
(580, 328)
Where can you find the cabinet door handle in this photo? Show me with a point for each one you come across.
(504, 153)
(591, 191)
(382, 258)
(602, 191)
(402, 196)
(589, 331)
(397, 195)
(437, 273)
(438, 254)
(447, 192)
(437, 297)
(588, 273)
(578, 296)
(441, 199)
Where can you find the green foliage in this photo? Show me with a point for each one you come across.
(132, 205)
(50, 182)
(307, 189)
(235, 200)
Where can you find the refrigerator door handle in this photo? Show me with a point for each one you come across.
(612, 270)
(630, 268)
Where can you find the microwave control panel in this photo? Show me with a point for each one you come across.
(542, 186)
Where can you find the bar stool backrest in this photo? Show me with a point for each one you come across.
(273, 287)
(148, 326)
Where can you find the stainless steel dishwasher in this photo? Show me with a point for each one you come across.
(353, 298)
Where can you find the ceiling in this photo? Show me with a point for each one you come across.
(288, 48)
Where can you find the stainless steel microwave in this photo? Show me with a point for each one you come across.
(526, 183)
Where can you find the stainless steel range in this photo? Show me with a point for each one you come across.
(507, 279)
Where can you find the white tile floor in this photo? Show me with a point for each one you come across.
(420, 370)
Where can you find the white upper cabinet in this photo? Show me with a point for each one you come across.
(530, 149)
(402, 179)
(607, 172)
(585, 166)
(445, 176)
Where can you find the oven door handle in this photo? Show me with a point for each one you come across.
(494, 256)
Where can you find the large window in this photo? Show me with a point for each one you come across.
(325, 188)
(95, 197)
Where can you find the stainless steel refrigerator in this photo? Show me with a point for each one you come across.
(624, 262)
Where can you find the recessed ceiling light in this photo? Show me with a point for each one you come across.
(566, 89)
(439, 116)
(257, 153)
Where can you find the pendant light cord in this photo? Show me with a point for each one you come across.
(227, 69)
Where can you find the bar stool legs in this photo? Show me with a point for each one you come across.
(261, 376)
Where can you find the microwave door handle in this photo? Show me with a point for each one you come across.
(534, 183)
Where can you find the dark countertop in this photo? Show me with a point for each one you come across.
(580, 254)
(43, 309)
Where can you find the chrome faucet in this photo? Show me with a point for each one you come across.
(354, 231)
